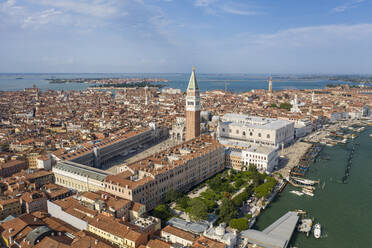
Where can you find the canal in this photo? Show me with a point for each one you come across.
(343, 210)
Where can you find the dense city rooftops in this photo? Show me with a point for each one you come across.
(163, 161)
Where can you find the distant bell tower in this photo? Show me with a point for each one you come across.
(270, 86)
(146, 96)
(192, 108)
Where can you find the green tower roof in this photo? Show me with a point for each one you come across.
(193, 84)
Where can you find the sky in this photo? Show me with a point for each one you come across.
(216, 36)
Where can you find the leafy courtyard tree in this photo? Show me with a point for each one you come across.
(240, 198)
(240, 224)
(162, 212)
(227, 210)
(183, 202)
(198, 209)
(238, 183)
(265, 189)
(285, 105)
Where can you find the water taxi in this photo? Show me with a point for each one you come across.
(296, 192)
(317, 231)
(307, 192)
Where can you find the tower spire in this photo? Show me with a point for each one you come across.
(192, 108)
(193, 84)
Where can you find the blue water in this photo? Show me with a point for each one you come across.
(344, 210)
(233, 82)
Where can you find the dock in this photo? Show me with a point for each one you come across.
(300, 185)
(285, 182)
(305, 226)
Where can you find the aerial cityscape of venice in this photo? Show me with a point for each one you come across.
(185, 124)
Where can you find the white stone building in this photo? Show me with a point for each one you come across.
(264, 158)
(255, 130)
(222, 235)
(303, 128)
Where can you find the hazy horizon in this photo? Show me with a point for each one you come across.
(230, 36)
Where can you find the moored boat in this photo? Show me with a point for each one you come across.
(317, 230)
(296, 192)
(307, 192)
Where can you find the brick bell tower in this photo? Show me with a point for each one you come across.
(192, 108)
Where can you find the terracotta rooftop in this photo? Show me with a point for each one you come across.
(180, 233)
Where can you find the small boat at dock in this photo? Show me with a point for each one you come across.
(304, 181)
(317, 231)
(296, 192)
(307, 192)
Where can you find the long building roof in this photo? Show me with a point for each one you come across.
(83, 170)
(277, 235)
(254, 121)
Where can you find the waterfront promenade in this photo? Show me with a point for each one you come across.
(291, 156)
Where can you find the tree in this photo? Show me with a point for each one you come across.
(285, 105)
(172, 195)
(240, 198)
(238, 183)
(210, 195)
(265, 189)
(215, 182)
(162, 212)
(240, 224)
(248, 216)
(227, 210)
(183, 202)
(197, 209)
(273, 105)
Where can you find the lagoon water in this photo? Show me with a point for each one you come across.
(235, 82)
(343, 210)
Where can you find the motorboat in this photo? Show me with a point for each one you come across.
(307, 192)
(317, 231)
(296, 192)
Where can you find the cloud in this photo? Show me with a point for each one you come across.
(97, 8)
(323, 48)
(204, 3)
(237, 11)
(348, 5)
(215, 7)
(42, 18)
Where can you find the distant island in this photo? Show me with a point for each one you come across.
(107, 81)
(127, 85)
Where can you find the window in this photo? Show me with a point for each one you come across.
(190, 103)
(268, 136)
(237, 131)
(259, 135)
(250, 133)
(243, 133)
